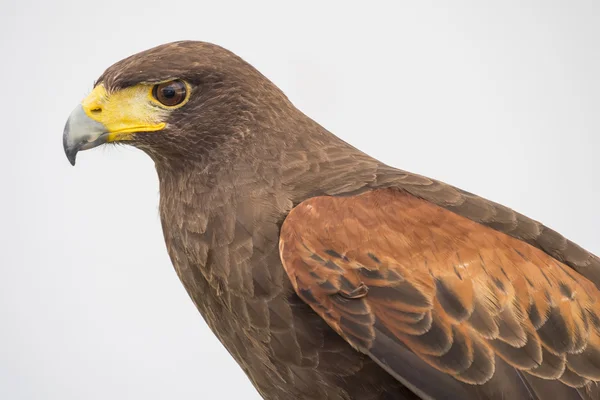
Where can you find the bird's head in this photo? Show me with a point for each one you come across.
(178, 99)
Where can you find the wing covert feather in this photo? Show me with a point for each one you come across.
(393, 273)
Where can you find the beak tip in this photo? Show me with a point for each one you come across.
(70, 151)
(81, 133)
(71, 158)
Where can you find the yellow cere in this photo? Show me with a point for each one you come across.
(124, 112)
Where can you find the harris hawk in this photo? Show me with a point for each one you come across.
(329, 275)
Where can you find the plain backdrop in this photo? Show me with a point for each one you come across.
(500, 99)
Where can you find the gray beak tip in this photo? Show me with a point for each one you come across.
(81, 133)
(70, 151)
(71, 157)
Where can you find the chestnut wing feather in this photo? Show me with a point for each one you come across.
(431, 295)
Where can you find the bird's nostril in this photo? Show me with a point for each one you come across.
(96, 110)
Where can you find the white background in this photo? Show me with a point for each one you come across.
(501, 101)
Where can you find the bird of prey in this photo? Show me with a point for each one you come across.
(324, 272)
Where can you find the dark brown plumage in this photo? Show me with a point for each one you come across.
(392, 285)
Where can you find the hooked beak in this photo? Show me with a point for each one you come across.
(104, 117)
(82, 133)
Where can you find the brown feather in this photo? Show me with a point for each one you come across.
(461, 282)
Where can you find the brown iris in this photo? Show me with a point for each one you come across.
(170, 93)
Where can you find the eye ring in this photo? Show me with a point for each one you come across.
(170, 94)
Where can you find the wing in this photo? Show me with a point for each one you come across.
(450, 307)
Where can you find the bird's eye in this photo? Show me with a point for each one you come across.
(171, 93)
